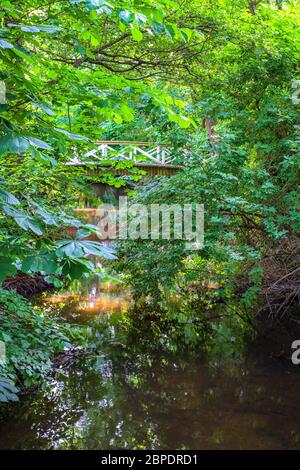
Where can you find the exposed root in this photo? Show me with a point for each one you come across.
(281, 281)
(26, 285)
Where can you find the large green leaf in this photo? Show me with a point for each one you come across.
(70, 248)
(98, 249)
(24, 220)
(126, 16)
(13, 143)
(7, 267)
(158, 28)
(75, 269)
(45, 158)
(137, 34)
(8, 198)
(94, 4)
(5, 45)
(39, 143)
(70, 134)
(45, 108)
(47, 217)
(8, 391)
(85, 231)
(80, 248)
(40, 262)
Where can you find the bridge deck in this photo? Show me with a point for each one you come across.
(149, 168)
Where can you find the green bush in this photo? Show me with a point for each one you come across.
(31, 339)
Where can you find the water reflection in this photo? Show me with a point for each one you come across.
(123, 398)
(111, 401)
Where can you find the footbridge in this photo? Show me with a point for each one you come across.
(153, 158)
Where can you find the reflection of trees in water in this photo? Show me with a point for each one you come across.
(153, 402)
(129, 399)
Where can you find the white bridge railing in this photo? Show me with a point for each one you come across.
(147, 152)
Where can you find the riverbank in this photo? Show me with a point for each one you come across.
(31, 340)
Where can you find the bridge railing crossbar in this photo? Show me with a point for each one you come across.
(158, 154)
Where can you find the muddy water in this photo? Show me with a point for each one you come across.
(114, 399)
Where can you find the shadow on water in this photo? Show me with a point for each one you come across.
(119, 399)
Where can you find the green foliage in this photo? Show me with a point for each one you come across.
(31, 339)
(28, 241)
(243, 165)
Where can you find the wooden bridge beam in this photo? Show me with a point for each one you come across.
(149, 168)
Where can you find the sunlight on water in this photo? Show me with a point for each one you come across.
(61, 298)
(103, 304)
(95, 299)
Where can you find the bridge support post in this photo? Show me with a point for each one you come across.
(163, 154)
(104, 150)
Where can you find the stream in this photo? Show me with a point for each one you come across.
(123, 397)
(116, 400)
